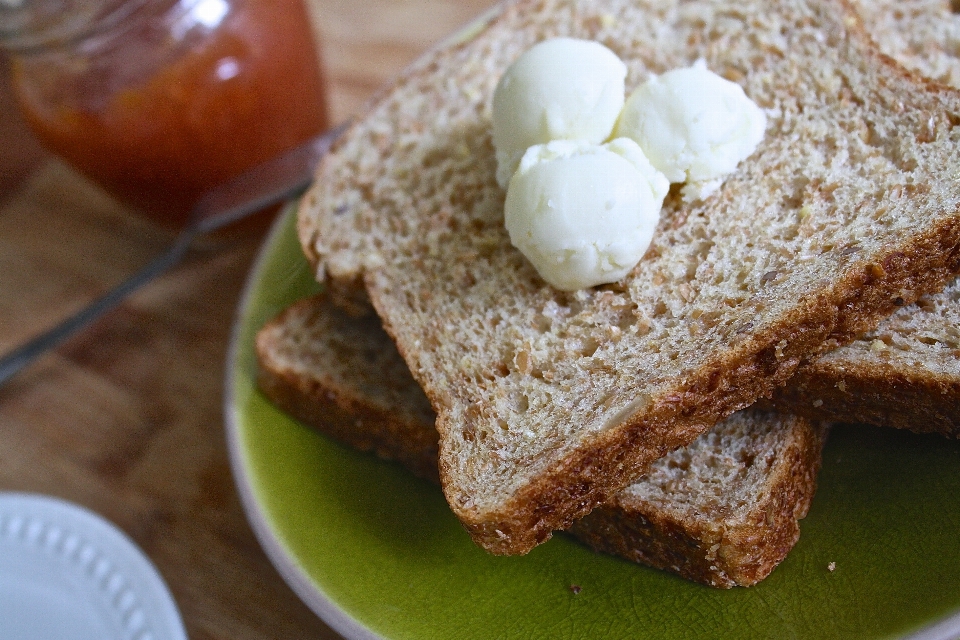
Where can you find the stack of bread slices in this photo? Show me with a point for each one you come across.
(624, 413)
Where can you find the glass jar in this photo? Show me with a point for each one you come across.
(158, 100)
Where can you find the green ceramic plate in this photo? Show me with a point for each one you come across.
(376, 553)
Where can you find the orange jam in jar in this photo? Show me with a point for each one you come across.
(159, 100)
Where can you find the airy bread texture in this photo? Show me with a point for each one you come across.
(549, 403)
(923, 35)
(906, 373)
(722, 511)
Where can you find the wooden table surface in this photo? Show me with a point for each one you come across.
(126, 417)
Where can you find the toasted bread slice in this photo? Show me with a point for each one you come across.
(722, 511)
(906, 373)
(550, 403)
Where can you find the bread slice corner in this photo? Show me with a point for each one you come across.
(722, 511)
(325, 366)
(904, 374)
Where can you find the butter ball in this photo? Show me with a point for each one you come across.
(694, 126)
(559, 89)
(582, 213)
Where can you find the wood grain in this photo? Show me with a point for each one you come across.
(126, 417)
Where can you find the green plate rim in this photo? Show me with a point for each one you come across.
(281, 556)
(272, 540)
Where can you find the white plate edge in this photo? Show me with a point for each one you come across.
(101, 530)
(947, 628)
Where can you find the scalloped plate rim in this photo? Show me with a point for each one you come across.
(74, 540)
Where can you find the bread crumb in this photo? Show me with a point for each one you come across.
(778, 351)
(818, 403)
(831, 567)
(877, 345)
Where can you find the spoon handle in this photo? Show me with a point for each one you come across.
(276, 180)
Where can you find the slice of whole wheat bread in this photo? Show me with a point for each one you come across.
(906, 373)
(549, 403)
(722, 511)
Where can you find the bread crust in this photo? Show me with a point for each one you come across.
(343, 410)
(883, 394)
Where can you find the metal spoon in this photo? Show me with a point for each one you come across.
(283, 177)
